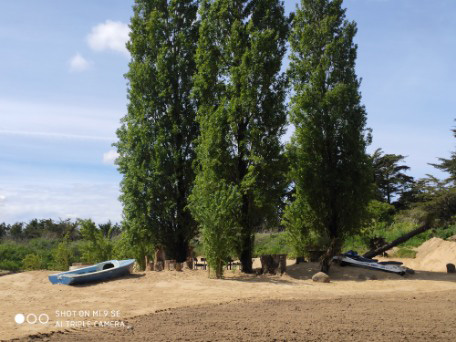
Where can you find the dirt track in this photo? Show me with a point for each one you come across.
(429, 317)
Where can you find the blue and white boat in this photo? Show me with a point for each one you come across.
(353, 259)
(99, 272)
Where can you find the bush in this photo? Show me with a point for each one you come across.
(11, 255)
(122, 248)
(97, 248)
(445, 233)
(10, 265)
(32, 262)
(63, 256)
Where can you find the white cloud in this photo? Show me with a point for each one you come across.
(89, 200)
(110, 157)
(59, 120)
(78, 63)
(110, 35)
(51, 135)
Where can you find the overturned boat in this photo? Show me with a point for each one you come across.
(353, 259)
(99, 272)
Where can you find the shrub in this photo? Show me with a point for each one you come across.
(122, 248)
(97, 248)
(215, 211)
(10, 265)
(63, 256)
(32, 262)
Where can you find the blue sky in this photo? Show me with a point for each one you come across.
(62, 94)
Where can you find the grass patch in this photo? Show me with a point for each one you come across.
(271, 243)
(404, 252)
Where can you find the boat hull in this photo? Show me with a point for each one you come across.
(353, 259)
(99, 272)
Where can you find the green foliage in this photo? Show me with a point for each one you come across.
(15, 231)
(445, 232)
(389, 175)
(63, 255)
(330, 167)
(157, 136)
(404, 252)
(32, 262)
(12, 254)
(10, 265)
(240, 93)
(379, 217)
(273, 243)
(122, 248)
(297, 226)
(448, 165)
(97, 248)
(216, 208)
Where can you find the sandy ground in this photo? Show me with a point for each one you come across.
(413, 304)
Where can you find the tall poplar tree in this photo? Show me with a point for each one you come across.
(330, 167)
(156, 139)
(240, 93)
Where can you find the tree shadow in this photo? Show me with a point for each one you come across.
(305, 271)
(125, 277)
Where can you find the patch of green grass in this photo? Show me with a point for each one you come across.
(445, 233)
(271, 243)
(404, 252)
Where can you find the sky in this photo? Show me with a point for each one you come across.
(62, 95)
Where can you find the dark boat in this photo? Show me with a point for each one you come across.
(98, 272)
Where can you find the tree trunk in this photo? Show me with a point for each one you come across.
(333, 249)
(246, 253)
(273, 263)
(246, 237)
(398, 241)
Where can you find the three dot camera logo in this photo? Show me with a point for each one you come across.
(31, 318)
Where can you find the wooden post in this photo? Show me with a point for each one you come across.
(150, 266)
(170, 265)
(159, 257)
(158, 266)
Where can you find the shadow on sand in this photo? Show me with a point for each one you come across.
(305, 271)
(125, 277)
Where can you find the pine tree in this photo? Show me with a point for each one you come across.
(448, 165)
(156, 139)
(330, 167)
(240, 93)
(389, 176)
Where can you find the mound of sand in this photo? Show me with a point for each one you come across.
(432, 256)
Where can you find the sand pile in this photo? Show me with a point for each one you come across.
(434, 254)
